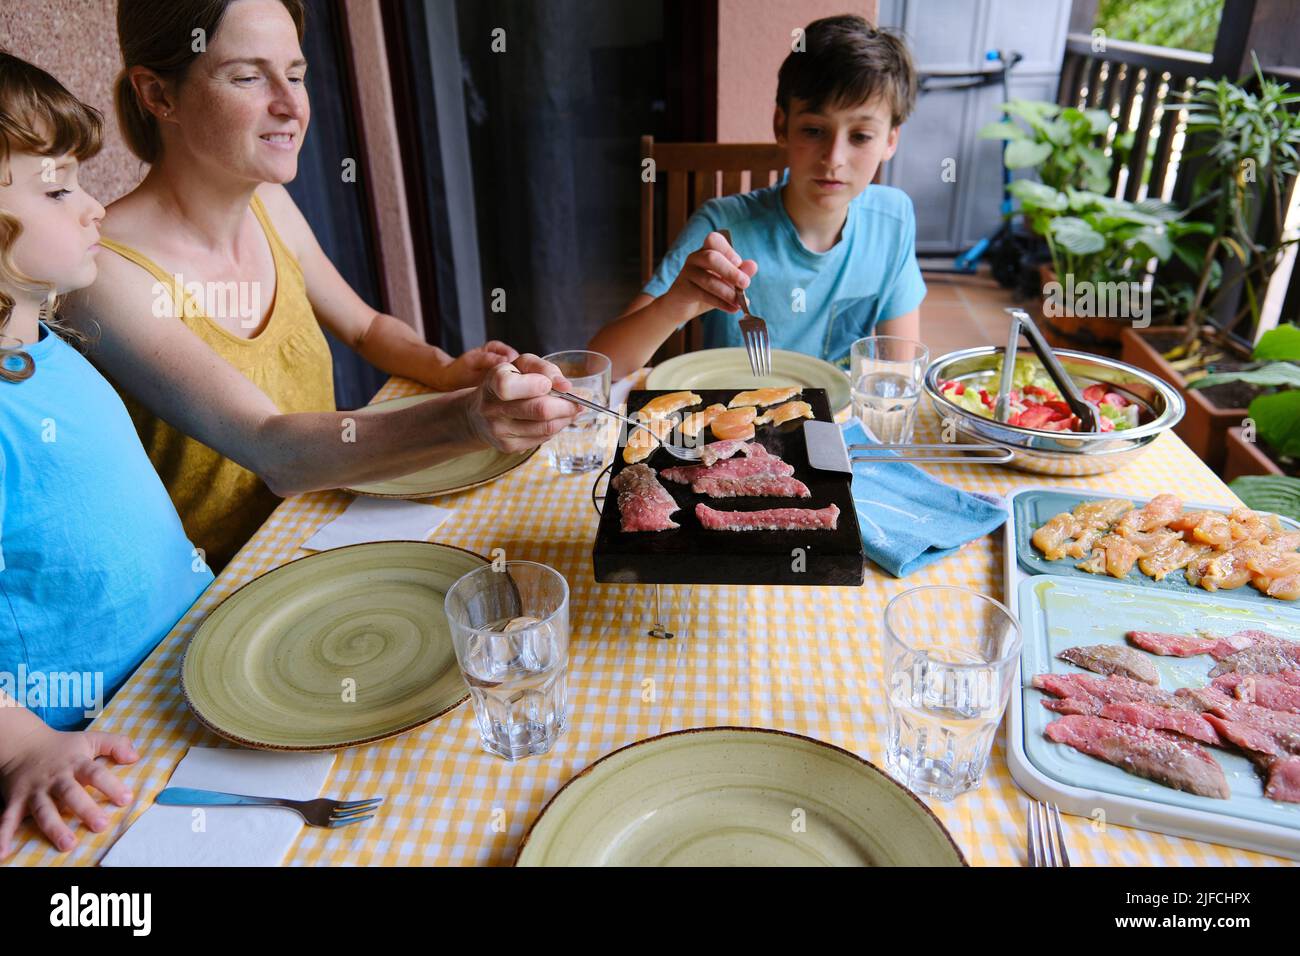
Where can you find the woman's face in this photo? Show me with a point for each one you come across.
(243, 106)
(60, 221)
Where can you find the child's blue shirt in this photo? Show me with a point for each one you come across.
(95, 567)
(815, 303)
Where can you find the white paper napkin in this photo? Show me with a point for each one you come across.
(225, 836)
(379, 519)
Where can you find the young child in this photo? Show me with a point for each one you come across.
(94, 565)
(827, 257)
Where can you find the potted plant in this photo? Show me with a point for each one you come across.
(1099, 246)
(1248, 142)
(1061, 143)
(1096, 244)
(1267, 440)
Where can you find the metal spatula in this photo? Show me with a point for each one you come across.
(758, 346)
(827, 451)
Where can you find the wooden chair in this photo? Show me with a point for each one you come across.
(688, 174)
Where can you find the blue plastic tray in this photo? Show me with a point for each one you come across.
(1033, 509)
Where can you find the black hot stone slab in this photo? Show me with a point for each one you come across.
(693, 555)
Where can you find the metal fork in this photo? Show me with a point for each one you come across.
(758, 346)
(680, 452)
(1046, 841)
(331, 814)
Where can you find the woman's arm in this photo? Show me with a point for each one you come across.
(175, 375)
(382, 340)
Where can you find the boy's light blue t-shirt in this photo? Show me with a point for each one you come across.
(95, 567)
(815, 303)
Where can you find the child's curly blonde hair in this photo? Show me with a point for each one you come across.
(38, 116)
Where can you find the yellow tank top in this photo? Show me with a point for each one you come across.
(221, 503)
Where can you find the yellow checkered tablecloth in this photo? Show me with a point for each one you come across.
(802, 659)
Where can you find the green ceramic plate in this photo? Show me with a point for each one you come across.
(732, 796)
(467, 471)
(340, 648)
(729, 368)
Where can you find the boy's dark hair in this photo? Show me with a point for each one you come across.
(847, 61)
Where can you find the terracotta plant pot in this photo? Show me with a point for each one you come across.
(1246, 458)
(1085, 333)
(1205, 426)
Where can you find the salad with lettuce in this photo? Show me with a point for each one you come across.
(1035, 402)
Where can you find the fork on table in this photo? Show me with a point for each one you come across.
(317, 813)
(1046, 840)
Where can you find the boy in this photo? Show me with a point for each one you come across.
(838, 258)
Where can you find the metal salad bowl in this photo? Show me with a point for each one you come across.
(1059, 453)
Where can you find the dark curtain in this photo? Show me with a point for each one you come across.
(554, 123)
(337, 211)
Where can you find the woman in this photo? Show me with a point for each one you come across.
(212, 97)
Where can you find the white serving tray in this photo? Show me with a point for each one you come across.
(1120, 809)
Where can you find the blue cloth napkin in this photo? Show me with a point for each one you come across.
(909, 519)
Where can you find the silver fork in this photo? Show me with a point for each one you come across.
(680, 452)
(1046, 841)
(758, 346)
(331, 814)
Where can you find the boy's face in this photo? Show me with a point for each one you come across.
(833, 153)
(60, 221)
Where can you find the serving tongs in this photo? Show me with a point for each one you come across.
(1021, 323)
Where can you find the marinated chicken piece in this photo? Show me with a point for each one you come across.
(784, 413)
(1084, 542)
(1276, 574)
(664, 405)
(1114, 555)
(1223, 570)
(1247, 525)
(1157, 513)
(1205, 527)
(1157, 563)
(1053, 537)
(640, 443)
(1103, 513)
(763, 396)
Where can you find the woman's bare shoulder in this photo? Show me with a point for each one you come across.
(286, 217)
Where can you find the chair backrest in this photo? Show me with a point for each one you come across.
(688, 174)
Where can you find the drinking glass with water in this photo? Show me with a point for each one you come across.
(950, 659)
(510, 628)
(582, 445)
(886, 372)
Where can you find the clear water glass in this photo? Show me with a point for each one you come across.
(950, 660)
(885, 374)
(583, 445)
(510, 628)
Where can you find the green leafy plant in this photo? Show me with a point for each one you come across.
(1098, 238)
(1275, 365)
(1064, 144)
(1249, 141)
